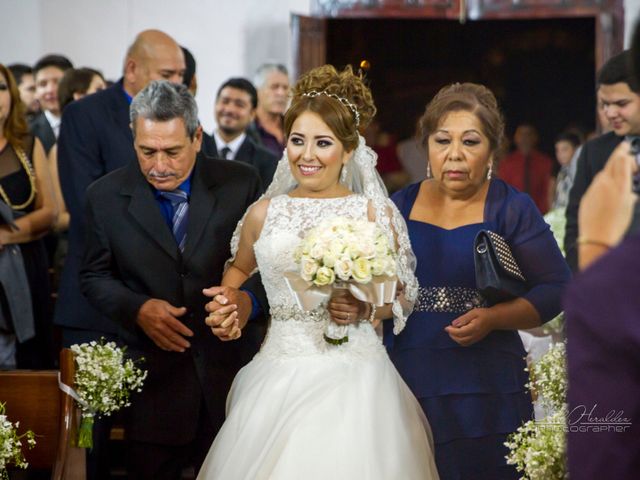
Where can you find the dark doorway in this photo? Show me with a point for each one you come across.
(542, 71)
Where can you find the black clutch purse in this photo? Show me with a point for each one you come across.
(498, 277)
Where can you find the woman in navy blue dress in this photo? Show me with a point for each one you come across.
(464, 360)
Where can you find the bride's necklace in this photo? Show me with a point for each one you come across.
(28, 168)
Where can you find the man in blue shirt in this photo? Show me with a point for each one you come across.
(158, 233)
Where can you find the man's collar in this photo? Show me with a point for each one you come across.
(184, 186)
(234, 145)
(126, 94)
(53, 120)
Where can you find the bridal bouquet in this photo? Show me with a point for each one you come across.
(11, 444)
(104, 381)
(344, 253)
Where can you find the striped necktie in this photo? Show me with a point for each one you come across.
(180, 203)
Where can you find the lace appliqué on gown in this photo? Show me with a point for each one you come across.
(292, 331)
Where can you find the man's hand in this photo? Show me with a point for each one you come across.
(606, 209)
(229, 311)
(159, 320)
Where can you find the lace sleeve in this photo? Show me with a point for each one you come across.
(390, 220)
(254, 216)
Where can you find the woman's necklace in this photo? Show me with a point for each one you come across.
(28, 168)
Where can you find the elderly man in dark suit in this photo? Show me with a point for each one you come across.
(234, 110)
(158, 233)
(95, 138)
(619, 95)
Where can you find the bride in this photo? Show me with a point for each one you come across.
(305, 408)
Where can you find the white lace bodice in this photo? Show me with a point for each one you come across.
(292, 331)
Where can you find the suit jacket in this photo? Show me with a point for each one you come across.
(592, 159)
(131, 256)
(95, 139)
(251, 153)
(40, 128)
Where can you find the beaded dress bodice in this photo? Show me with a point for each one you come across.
(292, 331)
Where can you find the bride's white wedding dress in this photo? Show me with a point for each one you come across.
(305, 409)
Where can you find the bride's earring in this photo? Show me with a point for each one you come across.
(428, 169)
(490, 171)
(343, 174)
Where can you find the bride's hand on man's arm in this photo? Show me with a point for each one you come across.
(229, 311)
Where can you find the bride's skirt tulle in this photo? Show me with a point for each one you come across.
(323, 416)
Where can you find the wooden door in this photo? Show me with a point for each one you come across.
(309, 36)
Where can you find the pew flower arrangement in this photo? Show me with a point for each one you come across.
(11, 444)
(538, 448)
(104, 382)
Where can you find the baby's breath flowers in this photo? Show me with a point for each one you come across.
(548, 377)
(104, 381)
(538, 448)
(11, 444)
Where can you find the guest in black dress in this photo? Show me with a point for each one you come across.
(25, 185)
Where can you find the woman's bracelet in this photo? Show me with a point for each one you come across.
(589, 241)
(372, 314)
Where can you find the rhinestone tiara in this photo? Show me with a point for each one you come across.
(342, 100)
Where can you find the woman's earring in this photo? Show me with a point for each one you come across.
(490, 171)
(343, 174)
(428, 169)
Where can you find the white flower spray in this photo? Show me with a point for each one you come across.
(11, 444)
(104, 382)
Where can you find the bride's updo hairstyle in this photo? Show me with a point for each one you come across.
(316, 92)
(469, 97)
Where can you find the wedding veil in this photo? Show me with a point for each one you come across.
(362, 178)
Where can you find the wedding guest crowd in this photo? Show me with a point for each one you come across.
(25, 186)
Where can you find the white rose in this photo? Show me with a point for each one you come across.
(367, 249)
(329, 259)
(378, 266)
(308, 268)
(361, 270)
(343, 268)
(382, 245)
(336, 247)
(324, 276)
(391, 266)
(317, 251)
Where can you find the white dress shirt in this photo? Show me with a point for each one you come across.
(234, 145)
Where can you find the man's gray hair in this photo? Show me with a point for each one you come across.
(264, 70)
(162, 101)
